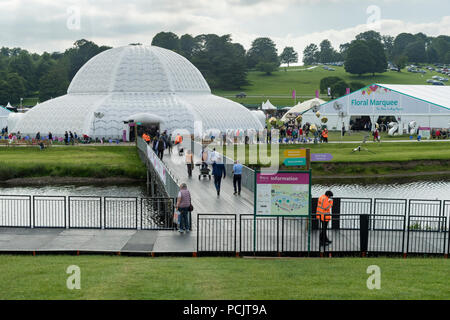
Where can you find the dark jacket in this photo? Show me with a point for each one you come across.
(218, 169)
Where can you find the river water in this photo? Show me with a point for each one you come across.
(425, 189)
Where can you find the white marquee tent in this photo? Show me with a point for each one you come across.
(301, 108)
(268, 106)
(130, 80)
(428, 106)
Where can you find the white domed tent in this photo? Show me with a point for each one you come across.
(129, 80)
(4, 113)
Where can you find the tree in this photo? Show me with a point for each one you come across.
(53, 84)
(23, 65)
(416, 52)
(388, 43)
(326, 52)
(4, 93)
(359, 59)
(263, 50)
(343, 48)
(222, 63)
(327, 82)
(432, 55)
(400, 43)
(167, 40)
(188, 46)
(378, 56)
(339, 89)
(400, 62)
(356, 85)
(289, 56)
(369, 35)
(266, 67)
(13, 87)
(311, 54)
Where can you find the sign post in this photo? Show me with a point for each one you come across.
(283, 193)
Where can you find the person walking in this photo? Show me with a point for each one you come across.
(66, 138)
(71, 137)
(323, 214)
(160, 147)
(184, 205)
(218, 171)
(189, 162)
(38, 136)
(170, 144)
(237, 177)
(325, 135)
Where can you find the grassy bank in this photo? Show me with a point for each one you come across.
(92, 162)
(384, 158)
(278, 86)
(109, 277)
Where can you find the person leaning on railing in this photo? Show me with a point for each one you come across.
(323, 213)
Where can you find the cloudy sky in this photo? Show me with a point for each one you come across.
(49, 25)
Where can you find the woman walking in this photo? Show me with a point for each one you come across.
(184, 206)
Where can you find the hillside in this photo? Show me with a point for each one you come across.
(278, 86)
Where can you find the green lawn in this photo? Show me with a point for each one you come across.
(112, 277)
(278, 86)
(382, 158)
(90, 161)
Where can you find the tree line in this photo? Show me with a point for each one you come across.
(48, 75)
(370, 52)
(224, 64)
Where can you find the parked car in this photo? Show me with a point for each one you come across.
(438, 83)
(241, 95)
(430, 81)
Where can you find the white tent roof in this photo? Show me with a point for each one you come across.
(268, 106)
(301, 108)
(9, 105)
(438, 95)
(4, 112)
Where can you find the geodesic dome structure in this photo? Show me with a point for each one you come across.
(130, 80)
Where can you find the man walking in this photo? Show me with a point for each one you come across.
(237, 177)
(323, 213)
(218, 172)
(160, 147)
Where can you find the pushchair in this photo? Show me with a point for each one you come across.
(180, 149)
(204, 171)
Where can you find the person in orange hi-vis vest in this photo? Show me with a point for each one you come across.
(325, 135)
(323, 213)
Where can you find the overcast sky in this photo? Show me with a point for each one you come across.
(50, 25)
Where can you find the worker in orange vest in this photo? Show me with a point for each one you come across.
(323, 213)
(178, 139)
(325, 135)
(146, 137)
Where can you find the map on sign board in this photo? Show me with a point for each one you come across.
(282, 194)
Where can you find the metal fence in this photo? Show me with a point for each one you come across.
(296, 235)
(86, 212)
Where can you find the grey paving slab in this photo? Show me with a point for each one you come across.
(108, 240)
(141, 241)
(173, 241)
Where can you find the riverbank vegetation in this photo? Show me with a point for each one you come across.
(88, 162)
(112, 277)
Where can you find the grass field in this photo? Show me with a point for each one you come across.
(384, 158)
(111, 277)
(278, 86)
(97, 162)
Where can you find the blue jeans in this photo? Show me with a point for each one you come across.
(184, 219)
(217, 181)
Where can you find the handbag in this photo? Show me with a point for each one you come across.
(176, 217)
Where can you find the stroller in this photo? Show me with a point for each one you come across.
(204, 171)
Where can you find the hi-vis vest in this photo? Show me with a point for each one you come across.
(324, 208)
(178, 139)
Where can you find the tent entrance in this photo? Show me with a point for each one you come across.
(384, 121)
(360, 123)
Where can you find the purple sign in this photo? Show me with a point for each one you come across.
(316, 157)
(283, 178)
